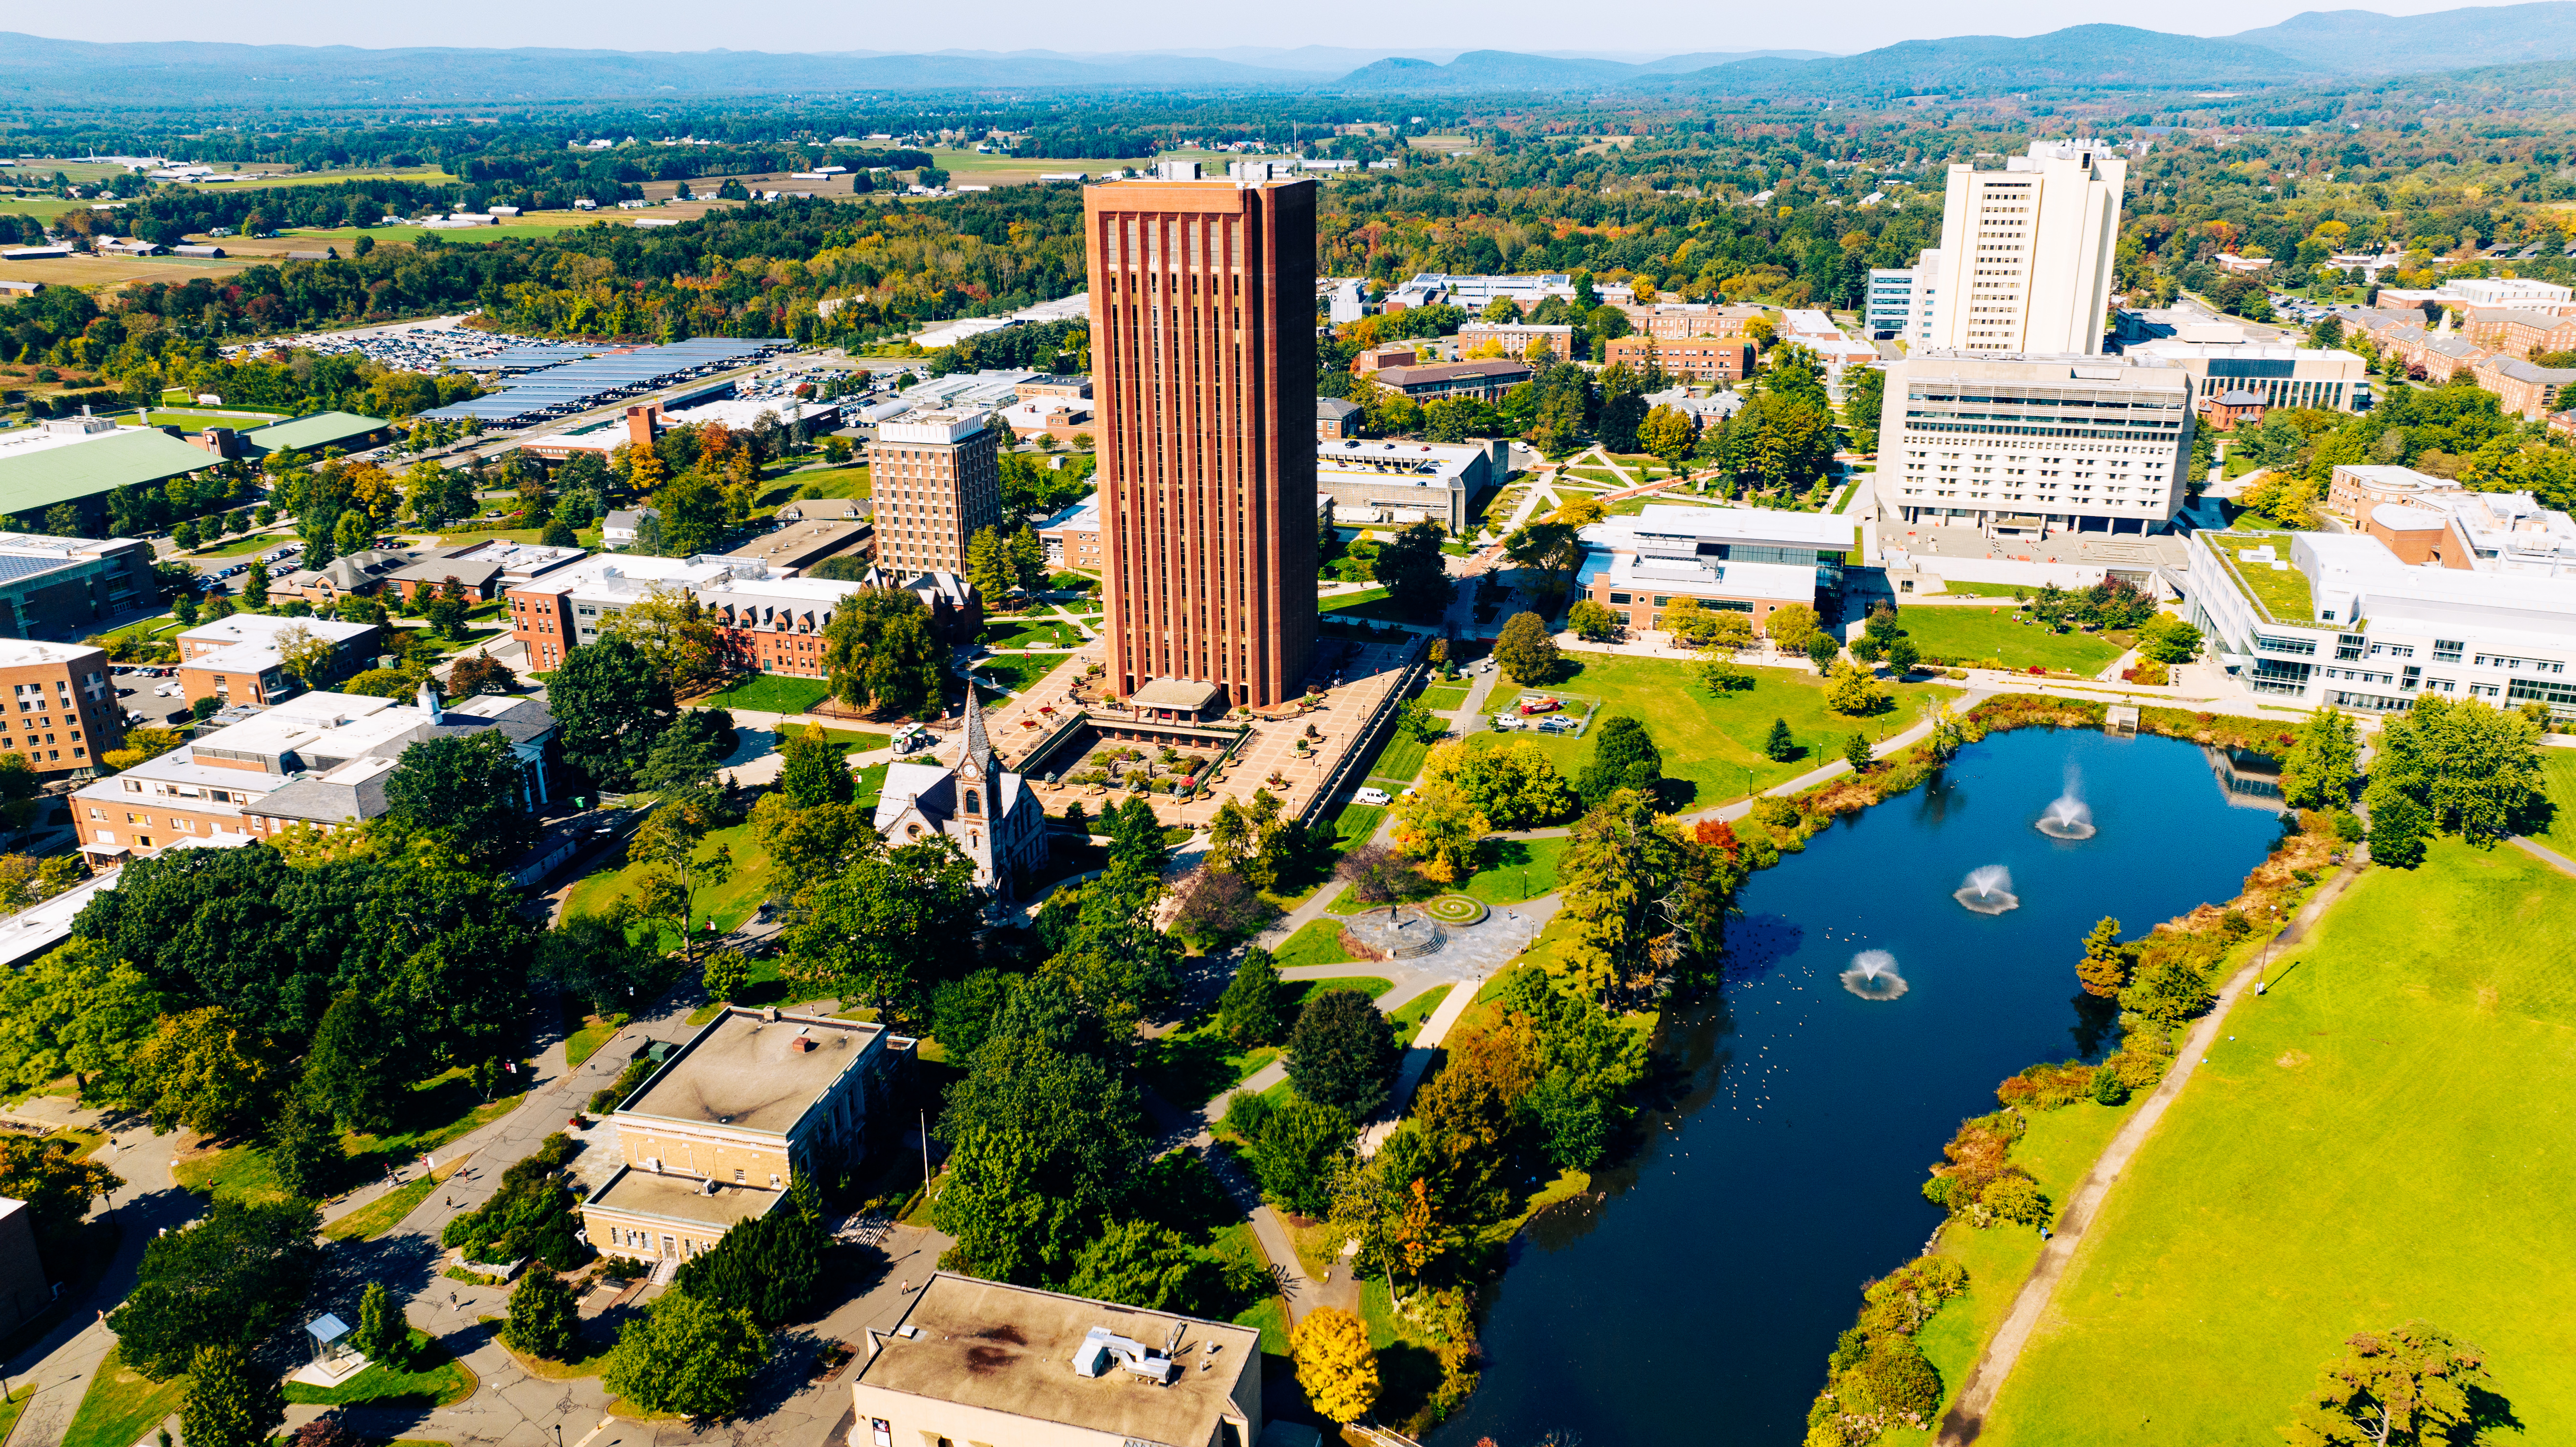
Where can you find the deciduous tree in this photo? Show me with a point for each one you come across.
(233, 1278)
(229, 1401)
(687, 1356)
(2414, 1384)
(1044, 1142)
(611, 705)
(2318, 772)
(544, 1321)
(1335, 1364)
(1525, 651)
(880, 653)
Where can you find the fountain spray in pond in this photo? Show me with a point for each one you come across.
(1988, 890)
(1873, 976)
(2068, 817)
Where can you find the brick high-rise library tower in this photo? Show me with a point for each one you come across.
(1203, 363)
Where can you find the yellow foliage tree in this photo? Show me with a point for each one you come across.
(1437, 825)
(1335, 1363)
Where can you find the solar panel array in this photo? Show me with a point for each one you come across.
(579, 385)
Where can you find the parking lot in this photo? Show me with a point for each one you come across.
(149, 695)
(1544, 711)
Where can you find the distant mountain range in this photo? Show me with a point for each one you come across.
(2311, 47)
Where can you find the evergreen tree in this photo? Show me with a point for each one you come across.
(2105, 968)
(1248, 1012)
(2398, 826)
(304, 1146)
(988, 565)
(1624, 756)
(230, 1402)
(543, 1320)
(383, 1335)
(254, 587)
(1778, 746)
(1856, 753)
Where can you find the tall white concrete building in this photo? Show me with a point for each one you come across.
(2033, 446)
(2026, 252)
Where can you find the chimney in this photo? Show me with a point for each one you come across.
(643, 422)
(804, 1043)
(770, 1014)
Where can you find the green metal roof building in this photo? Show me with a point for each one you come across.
(44, 476)
(314, 432)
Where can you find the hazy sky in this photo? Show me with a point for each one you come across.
(1674, 25)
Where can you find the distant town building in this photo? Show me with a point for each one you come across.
(241, 659)
(1072, 537)
(2276, 374)
(62, 587)
(1336, 417)
(1441, 381)
(1554, 343)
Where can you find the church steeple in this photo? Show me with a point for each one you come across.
(979, 748)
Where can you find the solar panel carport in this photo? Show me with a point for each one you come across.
(580, 385)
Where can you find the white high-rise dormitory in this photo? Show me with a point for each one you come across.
(2026, 252)
(2034, 445)
(1901, 299)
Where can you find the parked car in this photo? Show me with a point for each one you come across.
(1371, 796)
(1506, 722)
(1560, 725)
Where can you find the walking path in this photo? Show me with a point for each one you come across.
(2545, 854)
(1966, 1419)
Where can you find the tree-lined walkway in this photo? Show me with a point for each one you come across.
(1966, 1419)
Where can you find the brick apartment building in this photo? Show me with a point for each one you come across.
(240, 659)
(1440, 381)
(1555, 341)
(62, 709)
(937, 481)
(1700, 359)
(1672, 321)
(2518, 333)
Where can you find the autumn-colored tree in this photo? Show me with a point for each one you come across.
(2105, 967)
(2413, 1385)
(1335, 1364)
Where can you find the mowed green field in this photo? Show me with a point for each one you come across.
(1953, 631)
(2558, 774)
(2385, 1137)
(1711, 742)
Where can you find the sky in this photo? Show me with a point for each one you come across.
(835, 25)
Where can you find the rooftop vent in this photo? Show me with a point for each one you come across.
(1102, 1348)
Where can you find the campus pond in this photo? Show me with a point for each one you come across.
(1867, 1011)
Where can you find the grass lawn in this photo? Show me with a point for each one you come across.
(237, 547)
(2059, 1147)
(1266, 1317)
(435, 1379)
(770, 693)
(728, 904)
(1974, 632)
(1979, 590)
(1341, 601)
(1318, 943)
(2558, 775)
(1018, 673)
(1409, 1017)
(1512, 870)
(1712, 745)
(1445, 700)
(385, 1212)
(437, 1110)
(1357, 822)
(1009, 633)
(1400, 762)
(2382, 1140)
(851, 481)
(585, 1042)
(121, 1407)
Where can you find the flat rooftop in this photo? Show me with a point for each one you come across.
(2281, 592)
(745, 1071)
(683, 1198)
(1011, 1349)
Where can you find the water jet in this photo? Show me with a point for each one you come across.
(1873, 976)
(1988, 890)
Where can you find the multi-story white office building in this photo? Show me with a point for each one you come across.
(2026, 252)
(2278, 373)
(2030, 446)
(1901, 297)
(2339, 620)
